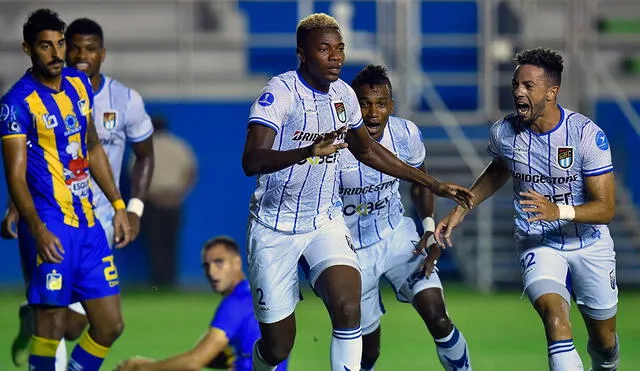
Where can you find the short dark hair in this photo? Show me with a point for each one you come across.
(41, 20)
(316, 21)
(84, 26)
(372, 75)
(549, 60)
(227, 241)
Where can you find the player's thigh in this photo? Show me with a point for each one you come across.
(332, 263)
(48, 283)
(96, 274)
(544, 271)
(593, 276)
(272, 258)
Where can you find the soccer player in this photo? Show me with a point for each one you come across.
(296, 127)
(563, 195)
(120, 117)
(384, 239)
(50, 146)
(228, 341)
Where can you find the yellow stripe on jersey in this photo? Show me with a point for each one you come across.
(66, 108)
(47, 141)
(13, 136)
(82, 93)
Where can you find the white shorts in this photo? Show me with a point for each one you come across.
(78, 308)
(588, 273)
(393, 259)
(273, 258)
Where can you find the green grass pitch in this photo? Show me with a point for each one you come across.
(502, 330)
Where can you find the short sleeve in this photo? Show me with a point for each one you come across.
(416, 148)
(227, 317)
(272, 106)
(14, 117)
(354, 118)
(594, 151)
(138, 125)
(493, 148)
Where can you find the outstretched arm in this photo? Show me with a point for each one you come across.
(373, 154)
(494, 176)
(208, 348)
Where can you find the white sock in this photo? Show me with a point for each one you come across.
(61, 356)
(604, 360)
(259, 363)
(346, 349)
(563, 356)
(453, 351)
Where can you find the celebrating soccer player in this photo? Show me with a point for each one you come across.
(50, 146)
(384, 239)
(564, 195)
(297, 126)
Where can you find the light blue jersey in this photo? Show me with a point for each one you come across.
(372, 206)
(302, 197)
(554, 164)
(120, 117)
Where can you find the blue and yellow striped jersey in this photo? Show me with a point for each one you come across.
(55, 126)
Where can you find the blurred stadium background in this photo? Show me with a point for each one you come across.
(200, 64)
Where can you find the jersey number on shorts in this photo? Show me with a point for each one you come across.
(260, 296)
(527, 261)
(110, 272)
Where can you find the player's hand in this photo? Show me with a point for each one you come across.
(428, 244)
(459, 194)
(325, 144)
(121, 228)
(48, 246)
(134, 364)
(134, 225)
(9, 224)
(447, 225)
(540, 206)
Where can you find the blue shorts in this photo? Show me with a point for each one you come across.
(86, 272)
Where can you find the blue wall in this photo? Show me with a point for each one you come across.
(218, 204)
(625, 143)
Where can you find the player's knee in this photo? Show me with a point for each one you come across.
(557, 324)
(107, 333)
(276, 352)
(439, 324)
(345, 311)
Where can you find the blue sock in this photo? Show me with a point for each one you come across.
(43, 354)
(87, 355)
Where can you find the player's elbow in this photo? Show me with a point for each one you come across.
(249, 167)
(608, 212)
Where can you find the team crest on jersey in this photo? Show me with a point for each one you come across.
(54, 281)
(565, 157)
(83, 107)
(109, 120)
(341, 111)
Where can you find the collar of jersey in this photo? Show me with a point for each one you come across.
(555, 127)
(309, 86)
(42, 86)
(103, 80)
